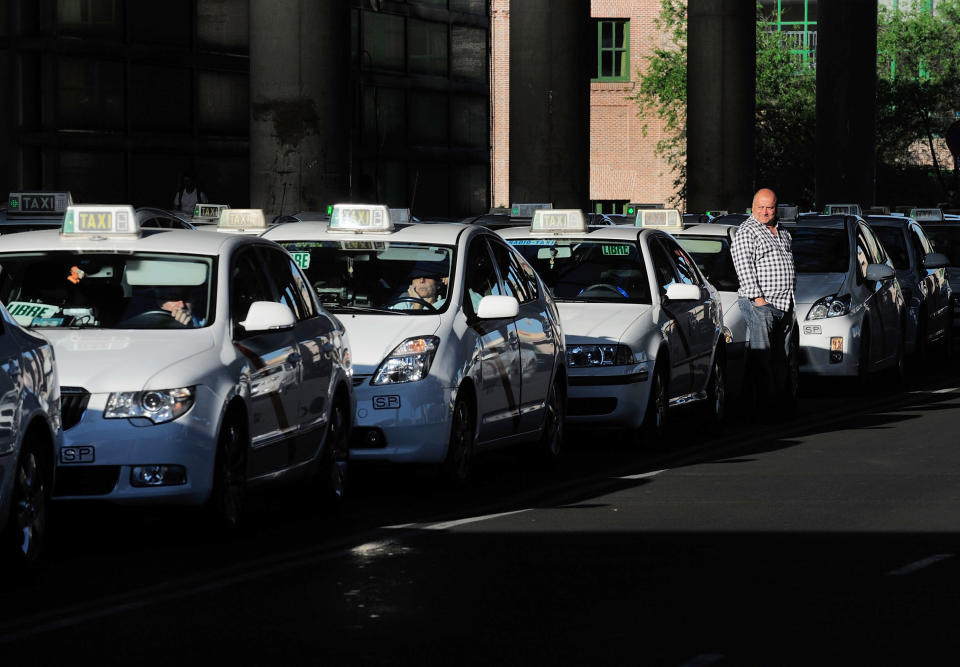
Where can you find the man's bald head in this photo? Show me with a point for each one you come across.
(764, 207)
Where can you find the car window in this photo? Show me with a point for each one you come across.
(594, 270)
(107, 290)
(292, 290)
(663, 266)
(946, 240)
(685, 266)
(511, 272)
(480, 276)
(246, 284)
(874, 248)
(895, 243)
(820, 250)
(863, 256)
(712, 255)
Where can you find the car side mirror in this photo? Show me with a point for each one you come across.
(497, 307)
(879, 272)
(683, 292)
(267, 316)
(935, 260)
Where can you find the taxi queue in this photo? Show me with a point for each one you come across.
(148, 358)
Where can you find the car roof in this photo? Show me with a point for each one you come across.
(597, 233)
(707, 229)
(443, 233)
(822, 220)
(889, 220)
(179, 241)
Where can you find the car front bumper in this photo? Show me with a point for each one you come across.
(819, 338)
(615, 396)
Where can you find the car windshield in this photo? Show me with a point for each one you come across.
(820, 250)
(401, 278)
(107, 290)
(595, 271)
(895, 243)
(946, 240)
(712, 255)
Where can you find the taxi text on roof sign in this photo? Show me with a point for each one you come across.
(558, 220)
(667, 218)
(241, 219)
(841, 209)
(360, 218)
(39, 202)
(209, 211)
(927, 214)
(95, 220)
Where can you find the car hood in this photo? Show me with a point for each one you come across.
(588, 322)
(373, 337)
(119, 360)
(813, 286)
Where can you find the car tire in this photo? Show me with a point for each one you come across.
(550, 444)
(228, 495)
(458, 464)
(654, 426)
(332, 470)
(26, 529)
(791, 388)
(717, 391)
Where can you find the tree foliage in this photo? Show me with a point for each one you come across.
(918, 83)
(785, 106)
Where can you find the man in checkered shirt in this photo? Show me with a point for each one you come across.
(763, 259)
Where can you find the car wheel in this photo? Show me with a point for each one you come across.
(228, 497)
(551, 437)
(791, 389)
(655, 418)
(332, 473)
(458, 466)
(717, 391)
(27, 526)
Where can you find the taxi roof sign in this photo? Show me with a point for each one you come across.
(843, 209)
(660, 218)
(97, 220)
(33, 203)
(558, 220)
(360, 218)
(242, 220)
(927, 214)
(209, 211)
(528, 210)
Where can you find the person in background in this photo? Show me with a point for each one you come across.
(188, 196)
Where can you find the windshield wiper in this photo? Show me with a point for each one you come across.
(342, 308)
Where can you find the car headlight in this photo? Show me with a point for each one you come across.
(593, 356)
(829, 306)
(157, 405)
(410, 361)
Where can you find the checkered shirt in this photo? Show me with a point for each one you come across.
(764, 263)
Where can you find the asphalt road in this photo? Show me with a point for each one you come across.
(830, 539)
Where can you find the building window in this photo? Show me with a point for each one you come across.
(613, 50)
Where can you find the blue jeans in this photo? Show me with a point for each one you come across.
(769, 330)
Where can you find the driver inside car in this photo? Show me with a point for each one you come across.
(177, 302)
(428, 284)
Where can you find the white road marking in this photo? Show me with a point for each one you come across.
(644, 475)
(918, 565)
(945, 391)
(444, 525)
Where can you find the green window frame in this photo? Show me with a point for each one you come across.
(613, 50)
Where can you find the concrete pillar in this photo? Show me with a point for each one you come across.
(846, 102)
(721, 97)
(550, 45)
(300, 104)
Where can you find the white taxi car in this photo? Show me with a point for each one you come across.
(457, 344)
(849, 305)
(29, 437)
(193, 364)
(644, 328)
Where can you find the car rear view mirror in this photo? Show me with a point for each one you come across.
(268, 315)
(935, 260)
(878, 272)
(497, 307)
(683, 292)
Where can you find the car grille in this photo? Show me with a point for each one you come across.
(73, 403)
(86, 480)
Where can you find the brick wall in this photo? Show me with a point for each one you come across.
(623, 164)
